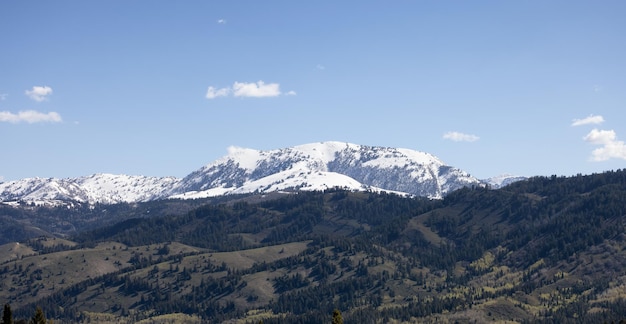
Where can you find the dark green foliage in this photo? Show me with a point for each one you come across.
(561, 216)
(545, 221)
(21, 224)
(295, 217)
(286, 283)
(7, 315)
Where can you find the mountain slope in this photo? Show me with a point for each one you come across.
(97, 188)
(325, 165)
(503, 180)
(316, 166)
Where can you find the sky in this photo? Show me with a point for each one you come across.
(161, 88)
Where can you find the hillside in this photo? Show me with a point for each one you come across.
(547, 250)
(26, 221)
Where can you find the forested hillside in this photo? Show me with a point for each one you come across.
(28, 220)
(549, 249)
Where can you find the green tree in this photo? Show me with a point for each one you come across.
(337, 319)
(7, 316)
(39, 317)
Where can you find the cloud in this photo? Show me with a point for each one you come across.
(600, 137)
(259, 89)
(39, 94)
(30, 116)
(460, 137)
(213, 93)
(588, 120)
(610, 148)
(221, 21)
(3, 96)
(290, 93)
(320, 67)
(242, 89)
(614, 150)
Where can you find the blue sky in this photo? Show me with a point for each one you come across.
(161, 88)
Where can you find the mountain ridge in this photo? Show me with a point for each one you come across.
(313, 166)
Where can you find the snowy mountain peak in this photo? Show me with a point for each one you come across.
(325, 151)
(314, 166)
(366, 167)
(247, 158)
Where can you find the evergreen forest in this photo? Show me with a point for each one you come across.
(543, 250)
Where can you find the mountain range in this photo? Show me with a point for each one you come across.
(315, 166)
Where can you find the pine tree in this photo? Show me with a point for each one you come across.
(39, 317)
(7, 316)
(337, 319)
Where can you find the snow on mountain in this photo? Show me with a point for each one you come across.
(39, 189)
(503, 180)
(98, 188)
(109, 188)
(324, 165)
(315, 166)
(293, 179)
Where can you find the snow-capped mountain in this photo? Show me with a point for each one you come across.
(326, 165)
(503, 180)
(315, 166)
(97, 188)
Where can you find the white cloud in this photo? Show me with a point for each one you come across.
(611, 147)
(320, 67)
(221, 21)
(259, 89)
(460, 137)
(30, 116)
(39, 93)
(600, 137)
(3, 96)
(591, 119)
(242, 89)
(213, 93)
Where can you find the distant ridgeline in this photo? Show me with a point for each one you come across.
(543, 250)
(309, 167)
